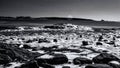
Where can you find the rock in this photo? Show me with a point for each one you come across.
(114, 64)
(66, 67)
(4, 59)
(84, 43)
(35, 49)
(43, 40)
(100, 38)
(16, 53)
(30, 64)
(98, 66)
(111, 43)
(54, 40)
(80, 60)
(66, 50)
(104, 58)
(45, 65)
(2, 51)
(53, 59)
(99, 43)
(27, 47)
(29, 41)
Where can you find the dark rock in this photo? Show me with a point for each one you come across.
(64, 50)
(2, 51)
(26, 47)
(100, 38)
(16, 53)
(80, 60)
(54, 47)
(4, 59)
(104, 58)
(30, 64)
(7, 65)
(98, 66)
(84, 43)
(66, 67)
(34, 48)
(111, 43)
(29, 41)
(56, 59)
(45, 65)
(105, 51)
(98, 43)
(114, 64)
(43, 40)
(54, 40)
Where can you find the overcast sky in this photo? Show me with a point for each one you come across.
(92, 9)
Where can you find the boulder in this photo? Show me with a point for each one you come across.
(43, 40)
(45, 65)
(16, 53)
(80, 60)
(27, 46)
(84, 43)
(4, 59)
(66, 67)
(30, 64)
(100, 38)
(98, 66)
(54, 40)
(114, 64)
(104, 58)
(52, 59)
(99, 43)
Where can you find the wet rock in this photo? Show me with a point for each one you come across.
(111, 43)
(66, 50)
(29, 41)
(4, 59)
(43, 40)
(114, 64)
(66, 67)
(100, 38)
(34, 49)
(84, 43)
(80, 60)
(2, 51)
(16, 53)
(53, 59)
(26, 47)
(45, 65)
(30, 64)
(98, 43)
(98, 66)
(54, 40)
(104, 58)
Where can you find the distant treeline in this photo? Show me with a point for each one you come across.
(28, 18)
(7, 27)
(25, 20)
(14, 18)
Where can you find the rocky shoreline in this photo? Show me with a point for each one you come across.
(81, 49)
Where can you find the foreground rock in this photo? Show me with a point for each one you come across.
(81, 61)
(4, 59)
(52, 59)
(66, 67)
(45, 65)
(34, 64)
(31, 64)
(13, 53)
(104, 58)
(114, 64)
(98, 66)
